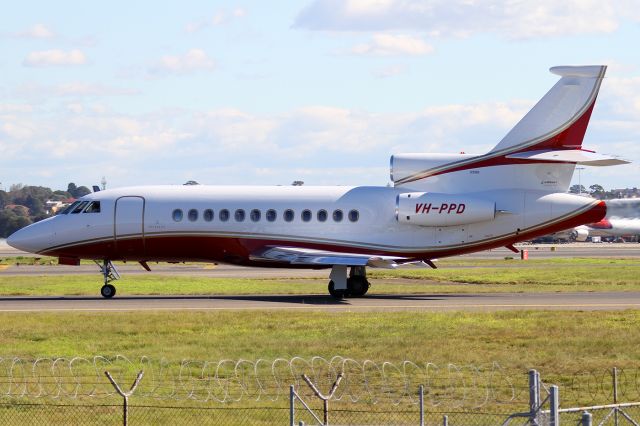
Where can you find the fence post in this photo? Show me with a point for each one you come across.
(325, 398)
(292, 412)
(615, 394)
(534, 396)
(586, 419)
(421, 402)
(554, 402)
(125, 395)
(445, 420)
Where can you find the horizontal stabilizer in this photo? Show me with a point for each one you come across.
(577, 156)
(587, 71)
(302, 256)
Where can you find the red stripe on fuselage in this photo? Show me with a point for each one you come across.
(237, 250)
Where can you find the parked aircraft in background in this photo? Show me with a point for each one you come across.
(440, 205)
(619, 227)
(622, 220)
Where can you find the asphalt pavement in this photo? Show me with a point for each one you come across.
(425, 302)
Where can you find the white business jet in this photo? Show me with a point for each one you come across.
(439, 205)
(622, 220)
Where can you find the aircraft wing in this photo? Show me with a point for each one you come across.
(302, 256)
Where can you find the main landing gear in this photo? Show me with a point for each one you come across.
(110, 273)
(356, 285)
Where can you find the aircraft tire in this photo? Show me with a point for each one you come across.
(108, 291)
(358, 286)
(336, 294)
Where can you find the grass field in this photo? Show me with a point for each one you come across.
(552, 341)
(453, 276)
(558, 344)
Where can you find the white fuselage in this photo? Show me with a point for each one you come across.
(140, 222)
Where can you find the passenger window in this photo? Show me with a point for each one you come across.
(239, 215)
(94, 207)
(306, 215)
(207, 215)
(70, 207)
(288, 215)
(80, 207)
(354, 215)
(224, 215)
(177, 215)
(271, 215)
(322, 215)
(255, 215)
(193, 215)
(337, 215)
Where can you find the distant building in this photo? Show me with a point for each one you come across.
(626, 193)
(51, 207)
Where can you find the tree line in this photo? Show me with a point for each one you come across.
(598, 191)
(23, 205)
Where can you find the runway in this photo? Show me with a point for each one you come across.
(425, 302)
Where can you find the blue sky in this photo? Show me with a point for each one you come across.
(270, 92)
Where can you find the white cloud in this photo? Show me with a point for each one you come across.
(193, 60)
(390, 71)
(319, 144)
(36, 31)
(71, 89)
(55, 57)
(239, 12)
(389, 44)
(15, 108)
(313, 137)
(220, 17)
(460, 18)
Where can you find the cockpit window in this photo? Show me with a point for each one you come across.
(70, 207)
(79, 207)
(94, 207)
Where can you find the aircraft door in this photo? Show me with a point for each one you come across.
(129, 226)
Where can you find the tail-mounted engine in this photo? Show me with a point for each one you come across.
(432, 209)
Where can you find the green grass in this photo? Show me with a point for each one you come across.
(558, 344)
(455, 276)
(550, 340)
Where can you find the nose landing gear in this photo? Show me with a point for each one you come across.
(108, 291)
(110, 273)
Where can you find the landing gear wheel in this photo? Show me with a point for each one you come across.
(336, 294)
(108, 291)
(358, 286)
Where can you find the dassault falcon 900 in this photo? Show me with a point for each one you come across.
(439, 205)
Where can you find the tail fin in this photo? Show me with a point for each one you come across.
(539, 153)
(559, 120)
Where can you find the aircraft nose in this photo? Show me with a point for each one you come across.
(33, 238)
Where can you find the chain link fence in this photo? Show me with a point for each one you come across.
(290, 391)
(107, 414)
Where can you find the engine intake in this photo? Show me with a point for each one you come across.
(433, 209)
